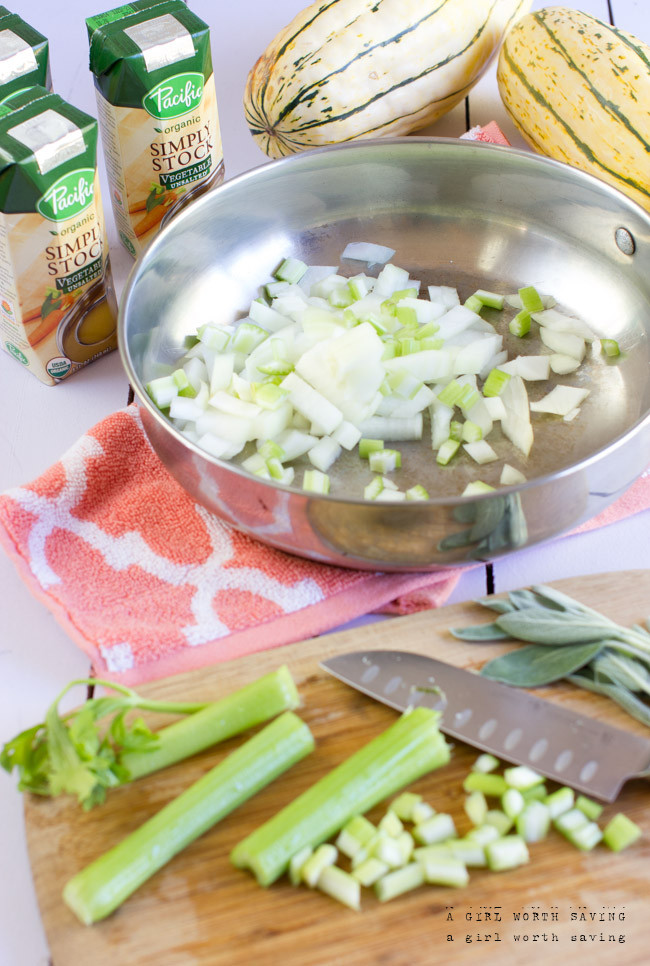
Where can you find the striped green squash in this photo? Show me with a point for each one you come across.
(345, 69)
(579, 92)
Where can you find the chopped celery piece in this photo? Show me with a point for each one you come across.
(275, 468)
(508, 852)
(476, 488)
(610, 347)
(531, 300)
(385, 460)
(451, 394)
(456, 430)
(340, 885)
(471, 432)
(316, 482)
(296, 865)
(533, 822)
(421, 811)
(213, 336)
(395, 851)
(323, 856)
(495, 382)
(491, 785)
(445, 871)
(427, 330)
(354, 835)
(483, 834)
(570, 820)
(522, 777)
(399, 881)
(470, 853)
(374, 488)
(560, 801)
(491, 299)
(408, 345)
(486, 763)
(476, 807)
(269, 449)
(536, 793)
(162, 391)
(276, 367)
(620, 832)
(585, 837)
(403, 293)
(391, 824)
(512, 802)
(435, 829)
(520, 325)
(511, 476)
(104, 884)
(406, 316)
(591, 809)
(408, 749)
(248, 706)
(417, 492)
(403, 805)
(448, 449)
(247, 337)
(501, 821)
(341, 297)
(291, 270)
(428, 343)
(368, 446)
(474, 304)
(370, 870)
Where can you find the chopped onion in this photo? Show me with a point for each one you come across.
(368, 252)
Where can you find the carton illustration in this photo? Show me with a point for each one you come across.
(157, 110)
(57, 305)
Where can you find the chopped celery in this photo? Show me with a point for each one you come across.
(451, 394)
(476, 807)
(247, 337)
(531, 300)
(417, 492)
(391, 824)
(368, 446)
(476, 488)
(585, 837)
(486, 763)
(296, 864)
(403, 805)
(421, 811)
(483, 835)
(435, 829)
(512, 802)
(508, 852)
(354, 835)
(489, 784)
(491, 299)
(408, 749)
(560, 801)
(520, 325)
(610, 347)
(370, 870)
(445, 871)
(104, 884)
(394, 851)
(456, 430)
(291, 270)
(474, 304)
(399, 881)
(533, 822)
(316, 482)
(472, 433)
(448, 449)
(495, 382)
(620, 832)
(406, 316)
(385, 460)
(470, 853)
(591, 809)
(323, 856)
(374, 488)
(497, 818)
(522, 777)
(340, 885)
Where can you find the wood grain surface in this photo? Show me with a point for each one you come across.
(200, 911)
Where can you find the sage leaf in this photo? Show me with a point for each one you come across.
(480, 632)
(524, 600)
(625, 699)
(622, 670)
(497, 604)
(535, 665)
(546, 627)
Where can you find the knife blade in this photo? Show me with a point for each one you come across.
(589, 755)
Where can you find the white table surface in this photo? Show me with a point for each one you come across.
(36, 657)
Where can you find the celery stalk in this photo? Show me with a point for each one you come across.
(104, 884)
(255, 702)
(408, 749)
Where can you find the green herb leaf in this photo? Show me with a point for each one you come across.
(550, 627)
(629, 702)
(155, 197)
(480, 632)
(497, 604)
(535, 665)
(622, 670)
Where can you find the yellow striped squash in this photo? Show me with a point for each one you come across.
(346, 69)
(579, 92)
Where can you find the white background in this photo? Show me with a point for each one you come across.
(36, 656)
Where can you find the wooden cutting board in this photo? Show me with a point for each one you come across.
(199, 910)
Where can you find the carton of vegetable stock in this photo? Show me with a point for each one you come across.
(157, 109)
(57, 305)
(24, 56)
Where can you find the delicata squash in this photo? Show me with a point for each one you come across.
(579, 92)
(347, 69)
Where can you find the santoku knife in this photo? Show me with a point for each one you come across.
(570, 748)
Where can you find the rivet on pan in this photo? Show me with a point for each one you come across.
(624, 241)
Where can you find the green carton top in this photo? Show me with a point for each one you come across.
(131, 55)
(24, 55)
(118, 13)
(48, 152)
